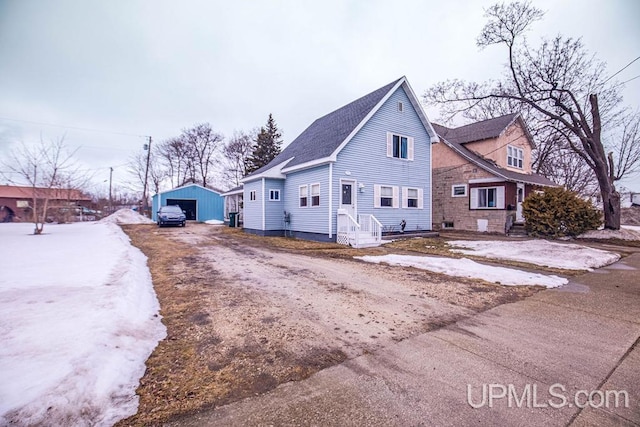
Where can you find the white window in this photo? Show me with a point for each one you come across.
(515, 157)
(252, 195)
(385, 196)
(274, 195)
(315, 194)
(399, 146)
(22, 203)
(304, 196)
(400, 107)
(459, 190)
(412, 198)
(487, 198)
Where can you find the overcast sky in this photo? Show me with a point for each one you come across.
(155, 67)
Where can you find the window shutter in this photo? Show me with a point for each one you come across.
(389, 144)
(405, 197)
(420, 198)
(500, 197)
(410, 148)
(395, 196)
(376, 196)
(474, 198)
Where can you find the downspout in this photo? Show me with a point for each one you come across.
(430, 223)
(264, 222)
(330, 200)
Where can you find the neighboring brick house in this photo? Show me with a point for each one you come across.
(482, 173)
(16, 202)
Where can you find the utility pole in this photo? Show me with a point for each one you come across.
(145, 205)
(110, 198)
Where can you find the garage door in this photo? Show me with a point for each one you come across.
(188, 206)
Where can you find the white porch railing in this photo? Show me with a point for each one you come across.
(367, 231)
(370, 224)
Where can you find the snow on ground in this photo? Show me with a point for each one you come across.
(126, 216)
(467, 268)
(538, 252)
(78, 319)
(214, 222)
(626, 232)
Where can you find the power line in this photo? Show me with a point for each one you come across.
(621, 70)
(74, 127)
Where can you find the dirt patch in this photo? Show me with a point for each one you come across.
(245, 313)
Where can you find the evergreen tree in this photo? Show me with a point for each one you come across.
(267, 146)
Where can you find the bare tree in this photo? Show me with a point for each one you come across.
(46, 167)
(236, 152)
(172, 153)
(203, 147)
(560, 81)
(138, 167)
(194, 156)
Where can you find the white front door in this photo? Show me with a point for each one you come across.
(348, 197)
(519, 200)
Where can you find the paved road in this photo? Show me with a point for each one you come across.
(580, 339)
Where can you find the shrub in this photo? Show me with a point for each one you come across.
(557, 212)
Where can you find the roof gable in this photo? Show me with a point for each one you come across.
(212, 190)
(326, 136)
(492, 168)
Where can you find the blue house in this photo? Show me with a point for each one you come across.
(355, 173)
(199, 203)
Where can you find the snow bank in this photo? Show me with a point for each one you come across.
(538, 252)
(79, 319)
(467, 268)
(626, 232)
(126, 216)
(214, 222)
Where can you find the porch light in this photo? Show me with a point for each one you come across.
(361, 187)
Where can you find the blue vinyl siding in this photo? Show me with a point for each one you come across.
(274, 210)
(365, 157)
(252, 209)
(309, 219)
(209, 203)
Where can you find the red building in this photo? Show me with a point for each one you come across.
(16, 203)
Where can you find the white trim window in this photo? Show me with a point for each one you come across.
(315, 194)
(399, 146)
(400, 107)
(303, 196)
(412, 198)
(274, 195)
(459, 190)
(252, 195)
(487, 198)
(515, 157)
(385, 196)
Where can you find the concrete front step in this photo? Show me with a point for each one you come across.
(518, 230)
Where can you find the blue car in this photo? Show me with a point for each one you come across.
(171, 215)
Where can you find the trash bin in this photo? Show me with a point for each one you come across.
(232, 219)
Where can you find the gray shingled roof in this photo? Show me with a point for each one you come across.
(477, 131)
(326, 134)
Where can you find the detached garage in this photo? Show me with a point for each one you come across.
(198, 203)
